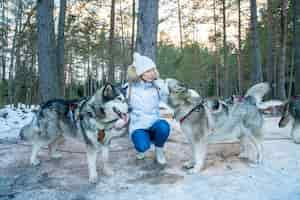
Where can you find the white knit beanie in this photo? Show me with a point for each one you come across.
(142, 63)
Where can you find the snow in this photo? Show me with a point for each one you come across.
(225, 176)
(15, 119)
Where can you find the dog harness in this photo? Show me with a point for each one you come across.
(79, 121)
(194, 109)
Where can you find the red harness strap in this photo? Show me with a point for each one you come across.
(196, 108)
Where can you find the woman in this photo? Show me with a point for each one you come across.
(145, 126)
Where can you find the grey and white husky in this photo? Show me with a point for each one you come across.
(291, 113)
(200, 117)
(94, 121)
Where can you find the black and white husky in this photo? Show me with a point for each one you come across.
(94, 121)
(203, 120)
(291, 113)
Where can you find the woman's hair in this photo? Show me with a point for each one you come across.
(131, 74)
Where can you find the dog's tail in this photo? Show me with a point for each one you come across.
(258, 91)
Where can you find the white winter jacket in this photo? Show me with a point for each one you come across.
(144, 103)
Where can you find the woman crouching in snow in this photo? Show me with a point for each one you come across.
(146, 127)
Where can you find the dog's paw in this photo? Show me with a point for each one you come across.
(188, 165)
(93, 179)
(108, 172)
(196, 168)
(56, 155)
(35, 162)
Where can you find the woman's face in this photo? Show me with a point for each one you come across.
(149, 75)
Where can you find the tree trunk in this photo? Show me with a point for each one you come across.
(60, 50)
(13, 52)
(88, 79)
(3, 39)
(19, 69)
(296, 43)
(217, 72)
(226, 70)
(270, 50)
(32, 83)
(133, 29)
(146, 42)
(239, 63)
(111, 70)
(124, 67)
(283, 44)
(103, 74)
(69, 75)
(257, 71)
(180, 25)
(48, 74)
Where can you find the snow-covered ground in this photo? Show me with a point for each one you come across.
(12, 119)
(225, 176)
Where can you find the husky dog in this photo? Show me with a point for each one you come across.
(291, 112)
(190, 112)
(199, 118)
(94, 121)
(241, 120)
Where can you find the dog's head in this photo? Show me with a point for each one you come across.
(233, 99)
(179, 93)
(109, 105)
(291, 110)
(216, 106)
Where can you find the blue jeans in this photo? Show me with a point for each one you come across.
(157, 134)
